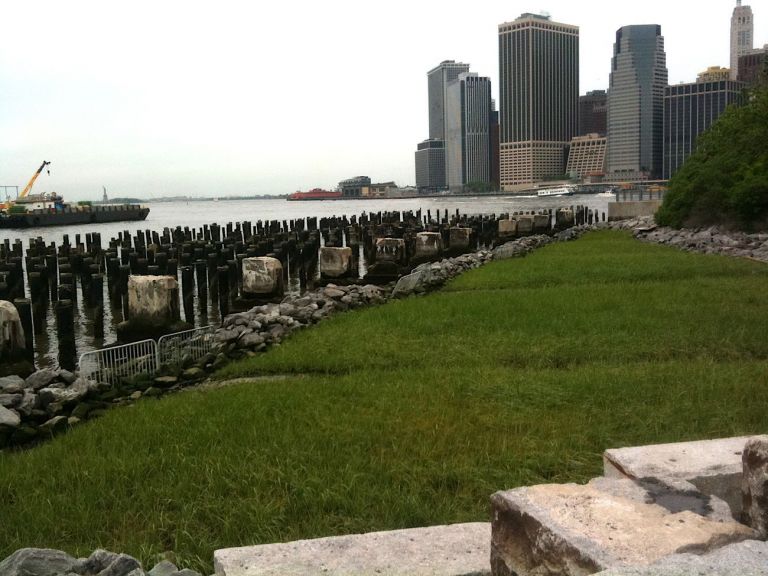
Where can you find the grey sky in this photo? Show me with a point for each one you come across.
(217, 98)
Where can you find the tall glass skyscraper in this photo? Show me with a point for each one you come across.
(437, 84)
(539, 98)
(636, 104)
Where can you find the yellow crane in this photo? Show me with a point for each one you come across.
(28, 188)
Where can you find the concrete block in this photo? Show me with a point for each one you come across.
(754, 485)
(564, 218)
(749, 558)
(575, 530)
(524, 224)
(262, 276)
(507, 227)
(541, 222)
(428, 245)
(11, 331)
(153, 300)
(458, 550)
(458, 238)
(390, 250)
(713, 466)
(629, 210)
(335, 262)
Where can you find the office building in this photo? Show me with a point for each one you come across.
(593, 113)
(586, 158)
(714, 74)
(636, 104)
(430, 166)
(353, 187)
(752, 65)
(437, 83)
(539, 98)
(689, 110)
(495, 179)
(468, 131)
(742, 35)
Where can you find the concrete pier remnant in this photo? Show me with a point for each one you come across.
(335, 262)
(459, 239)
(153, 308)
(428, 246)
(262, 277)
(13, 345)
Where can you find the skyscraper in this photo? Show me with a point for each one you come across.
(689, 110)
(636, 104)
(742, 33)
(430, 165)
(539, 98)
(593, 113)
(437, 83)
(467, 131)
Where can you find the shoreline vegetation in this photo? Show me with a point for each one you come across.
(412, 413)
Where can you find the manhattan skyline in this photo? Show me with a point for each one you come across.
(185, 99)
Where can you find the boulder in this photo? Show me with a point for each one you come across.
(72, 393)
(40, 379)
(335, 262)
(11, 384)
(37, 562)
(574, 530)
(53, 426)
(10, 400)
(754, 485)
(262, 276)
(164, 568)
(10, 419)
(121, 565)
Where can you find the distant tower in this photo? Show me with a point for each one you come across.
(539, 98)
(636, 104)
(742, 34)
(104, 198)
(437, 85)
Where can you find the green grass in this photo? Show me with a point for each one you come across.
(413, 413)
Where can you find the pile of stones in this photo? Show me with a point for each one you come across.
(45, 562)
(712, 240)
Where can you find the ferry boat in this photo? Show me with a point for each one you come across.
(563, 191)
(315, 194)
(50, 210)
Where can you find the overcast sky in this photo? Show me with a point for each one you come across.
(154, 98)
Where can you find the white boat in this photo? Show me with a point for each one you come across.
(564, 191)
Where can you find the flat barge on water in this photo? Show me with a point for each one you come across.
(50, 210)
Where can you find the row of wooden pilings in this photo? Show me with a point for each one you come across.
(209, 260)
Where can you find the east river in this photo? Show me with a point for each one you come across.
(196, 214)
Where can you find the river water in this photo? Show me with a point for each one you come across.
(195, 214)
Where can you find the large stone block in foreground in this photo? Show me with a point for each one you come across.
(713, 466)
(458, 550)
(572, 530)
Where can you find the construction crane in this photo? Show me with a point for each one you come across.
(31, 183)
(8, 203)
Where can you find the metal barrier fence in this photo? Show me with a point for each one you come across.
(119, 362)
(189, 345)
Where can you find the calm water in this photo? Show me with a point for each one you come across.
(196, 214)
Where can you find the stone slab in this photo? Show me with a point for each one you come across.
(574, 530)
(713, 466)
(457, 550)
(748, 558)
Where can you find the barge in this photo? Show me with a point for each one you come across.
(50, 210)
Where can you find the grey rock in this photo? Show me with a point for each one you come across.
(67, 376)
(11, 384)
(97, 561)
(122, 565)
(27, 404)
(334, 293)
(40, 379)
(187, 572)
(37, 562)
(250, 340)
(54, 425)
(10, 400)
(72, 393)
(409, 284)
(754, 485)
(9, 418)
(164, 568)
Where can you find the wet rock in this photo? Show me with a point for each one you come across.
(37, 562)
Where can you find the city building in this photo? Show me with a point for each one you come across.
(636, 104)
(467, 131)
(689, 110)
(593, 113)
(751, 66)
(714, 74)
(742, 35)
(379, 190)
(586, 158)
(495, 179)
(430, 166)
(539, 98)
(353, 187)
(437, 83)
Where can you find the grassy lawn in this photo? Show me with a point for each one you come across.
(413, 413)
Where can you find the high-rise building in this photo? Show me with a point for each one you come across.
(587, 156)
(742, 35)
(636, 104)
(593, 113)
(752, 65)
(430, 166)
(689, 110)
(714, 74)
(468, 131)
(437, 82)
(539, 98)
(494, 146)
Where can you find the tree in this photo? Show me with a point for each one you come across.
(725, 181)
